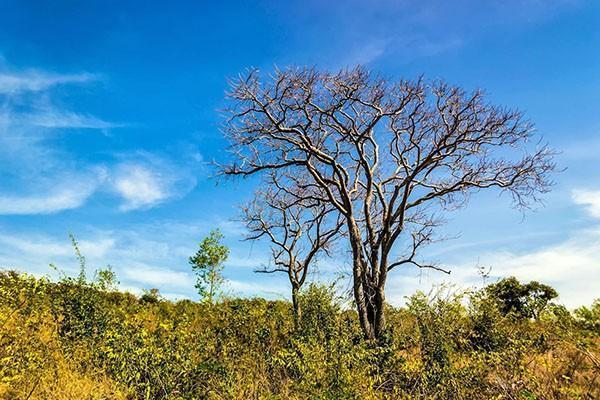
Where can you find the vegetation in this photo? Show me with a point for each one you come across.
(82, 340)
(207, 263)
(343, 157)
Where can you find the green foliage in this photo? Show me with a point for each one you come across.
(81, 278)
(71, 340)
(207, 263)
(441, 327)
(80, 309)
(320, 310)
(487, 323)
(151, 296)
(326, 358)
(106, 279)
(589, 318)
(522, 300)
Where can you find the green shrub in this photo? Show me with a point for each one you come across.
(73, 339)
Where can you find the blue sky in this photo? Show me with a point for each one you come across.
(109, 114)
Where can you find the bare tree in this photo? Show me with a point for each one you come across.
(299, 229)
(387, 155)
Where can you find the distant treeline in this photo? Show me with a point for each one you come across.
(74, 339)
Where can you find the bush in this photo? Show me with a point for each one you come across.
(76, 340)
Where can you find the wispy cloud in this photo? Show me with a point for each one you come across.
(41, 177)
(142, 183)
(586, 149)
(140, 187)
(153, 254)
(249, 262)
(144, 180)
(34, 246)
(570, 266)
(36, 81)
(66, 120)
(590, 199)
(232, 228)
(64, 192)
(368, 52)
(157, 276)
(402, 31)
(26, 99)
(568, 263)
(143, 256)
(64, 199)
(43, 246)
(48, 178)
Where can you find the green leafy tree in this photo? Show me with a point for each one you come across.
(526, 300)
(207, 264)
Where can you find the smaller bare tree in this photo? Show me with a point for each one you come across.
(299, 230)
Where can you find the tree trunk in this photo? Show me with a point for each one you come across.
(370, 301)
(371, 311)
(369, 293)
(362, 304)
(379, 315)
(297, 307)
(360, 284)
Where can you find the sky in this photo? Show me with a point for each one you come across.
(109, 122)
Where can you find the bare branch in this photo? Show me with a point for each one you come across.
(377, 153)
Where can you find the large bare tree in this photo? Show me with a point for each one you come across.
(388, 155)
(299, 230)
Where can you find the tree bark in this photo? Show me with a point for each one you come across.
(379, 315)
(369, 288)
(370, 301)
(362, 303)
(297, 307)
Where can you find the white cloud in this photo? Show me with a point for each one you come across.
(570, 266)
(66, 119)
(39, 176)
(37, 170)
(64, 198)
(249, 262)
(34, 252)
(35, 81)
(35, 246)
(146, 180)
(142, 183)
(42, 246)
(232, 228)
(27, 102)
(98, 248)
(368, 52)
(54, 202)
(590, 199)
(157, 276)
(146, 256)
(140, 187)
